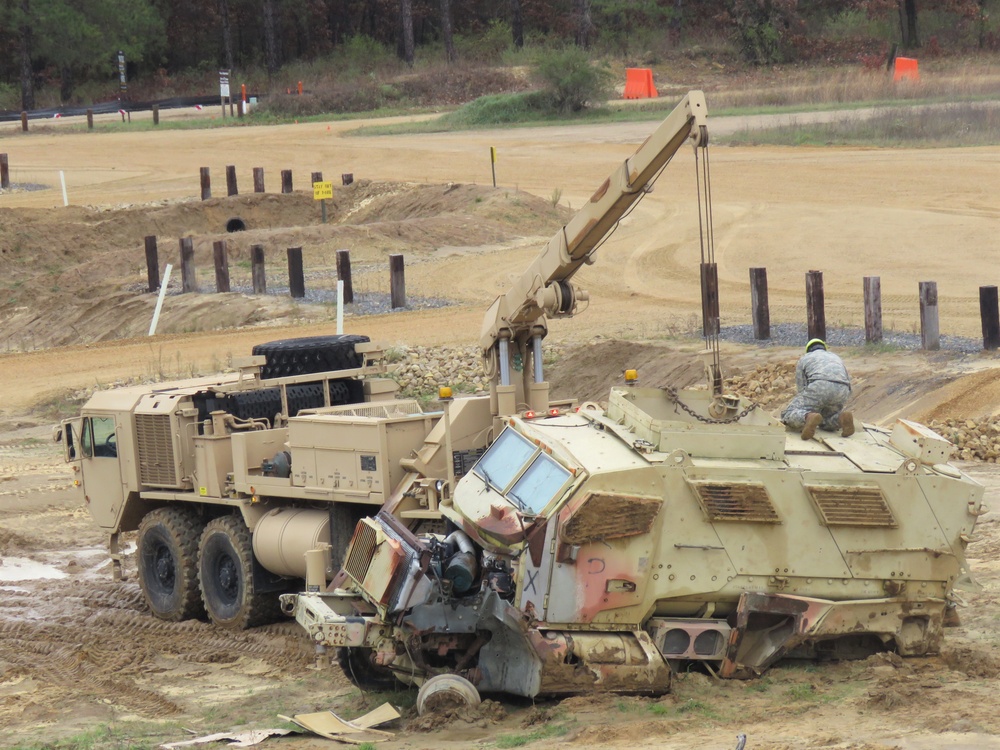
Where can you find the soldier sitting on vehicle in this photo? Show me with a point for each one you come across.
(823, 388)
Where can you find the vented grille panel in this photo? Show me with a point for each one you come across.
(375, 411)
(156, 451)
(852, 506)
(359, 556)
(735, 502)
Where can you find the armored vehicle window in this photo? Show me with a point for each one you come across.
(105, 444)
(504, 460)
(539, 484)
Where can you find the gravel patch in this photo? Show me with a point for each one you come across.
(796, 334)
(24, 187)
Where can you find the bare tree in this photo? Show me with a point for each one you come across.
(270, 39)
(406, 29)
(581, 14)
(517, 23)
(449, 42)
(27, 73)
(227, 33)
(908, 23)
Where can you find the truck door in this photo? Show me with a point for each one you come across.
(104, 490)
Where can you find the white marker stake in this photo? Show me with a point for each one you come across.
(159, 299)
(340, 307)
(62, 179)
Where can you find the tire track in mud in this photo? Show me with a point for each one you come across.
(94, 640)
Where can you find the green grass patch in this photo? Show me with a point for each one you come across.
(543, 733)
(113, 736)
(964, 124)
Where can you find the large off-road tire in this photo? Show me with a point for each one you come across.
(357, 665)
(308, 355)
(225, 576)
(167, 558)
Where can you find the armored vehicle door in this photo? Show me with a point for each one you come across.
(97, 450)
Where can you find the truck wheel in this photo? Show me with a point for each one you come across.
(168, 563)
(357, 665)
(446, 691)
(310, 354)
(225, 575)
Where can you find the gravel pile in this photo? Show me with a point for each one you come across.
(421, 370)
(768, 385)
(796, 334)
(974, 439)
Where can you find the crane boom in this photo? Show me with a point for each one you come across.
(516, 322)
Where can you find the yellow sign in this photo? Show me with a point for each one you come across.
(493, 154)
(322, 190)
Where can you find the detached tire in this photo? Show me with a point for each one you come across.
(311, 354)
(168, 563)
(446, 691)
(225, 576)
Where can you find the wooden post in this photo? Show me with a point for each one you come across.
(221, 266)
(397, 282)
(286, 180)
(24, 122)
(873, 310)
(989, 311)
(152, 264)
(316, 177)
(760, 310)
(156, 114)
(231, 188)
(206, 183)
(296, 278)
(344, 274)
(930, 331)
(347, 178)
(815, 309)
(709, 299)
(90, 119)
(4, 172)
(189, 281)
(257, 265)
(258, 179)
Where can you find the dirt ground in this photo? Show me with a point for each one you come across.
(79, 655)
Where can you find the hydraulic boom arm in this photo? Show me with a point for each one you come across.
(515, 323)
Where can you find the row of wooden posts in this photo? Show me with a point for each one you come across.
(296, 275)
(930, 331)
(90, 117)
(258, 180)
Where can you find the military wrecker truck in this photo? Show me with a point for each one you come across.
(512, 543)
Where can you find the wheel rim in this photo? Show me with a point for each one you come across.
(164, 568)
(227, 578)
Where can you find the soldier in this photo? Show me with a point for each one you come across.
(823, 388)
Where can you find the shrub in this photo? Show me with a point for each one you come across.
(764, 29)
(571, 81)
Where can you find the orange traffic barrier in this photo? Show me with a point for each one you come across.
(905, 69)
(639, 83)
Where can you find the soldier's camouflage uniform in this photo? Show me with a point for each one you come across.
(824, 387)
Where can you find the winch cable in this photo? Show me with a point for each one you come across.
(706, 233)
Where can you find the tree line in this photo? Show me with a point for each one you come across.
(67, 42)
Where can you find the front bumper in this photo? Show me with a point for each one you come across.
(330, 620)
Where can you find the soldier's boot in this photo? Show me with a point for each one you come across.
(846, 424)
(813, 420)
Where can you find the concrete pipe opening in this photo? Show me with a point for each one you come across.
(236, 224)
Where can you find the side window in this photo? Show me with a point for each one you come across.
(103, 433)
(87, 439)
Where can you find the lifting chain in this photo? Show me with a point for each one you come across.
(672, 393)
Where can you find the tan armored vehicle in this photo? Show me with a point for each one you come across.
(510, 543)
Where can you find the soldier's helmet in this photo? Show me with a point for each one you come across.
(815, 344)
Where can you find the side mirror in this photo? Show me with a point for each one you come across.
(57, 434)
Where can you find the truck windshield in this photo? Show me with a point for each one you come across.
(513, 457)
(504, 460)
(539, 484)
